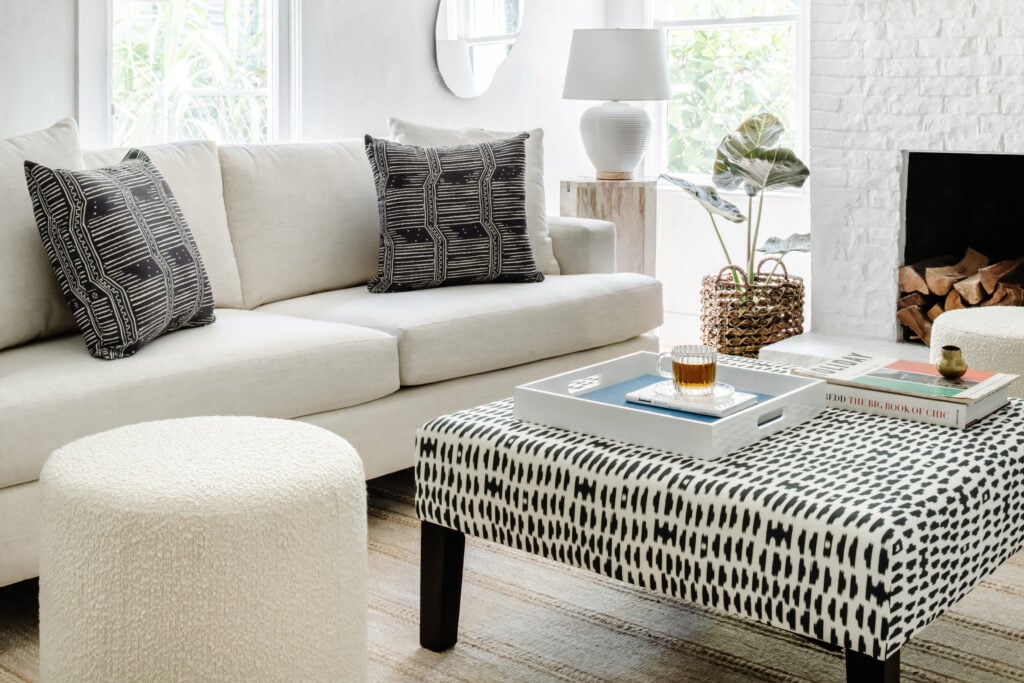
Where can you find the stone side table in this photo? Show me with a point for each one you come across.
(630, 204)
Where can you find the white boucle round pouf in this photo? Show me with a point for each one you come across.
(208, 548)
(991, 338)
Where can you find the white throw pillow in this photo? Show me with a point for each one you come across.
(410, 133)
(32, 306)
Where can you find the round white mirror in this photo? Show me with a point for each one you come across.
(472, 39)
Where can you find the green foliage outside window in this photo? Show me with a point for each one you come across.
(188, 69)
(723, 75)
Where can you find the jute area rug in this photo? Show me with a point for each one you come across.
(528, 619)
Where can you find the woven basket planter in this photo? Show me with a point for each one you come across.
(740, 318)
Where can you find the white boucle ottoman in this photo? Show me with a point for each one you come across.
(208, 548)
(991, 338)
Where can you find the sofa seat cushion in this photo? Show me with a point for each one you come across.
(247, 363)
(458, 331)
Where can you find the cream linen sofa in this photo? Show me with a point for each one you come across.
(288, 234)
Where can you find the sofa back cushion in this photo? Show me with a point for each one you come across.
(192, 170)
(303, 217)
(32, 306)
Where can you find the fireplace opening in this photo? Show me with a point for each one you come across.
(963, 237)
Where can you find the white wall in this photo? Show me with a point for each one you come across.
(365, 61)
(37, 64)
(943, 75)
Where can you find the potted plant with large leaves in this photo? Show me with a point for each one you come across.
(742, 307)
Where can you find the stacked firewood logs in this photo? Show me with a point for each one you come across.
(931, 287)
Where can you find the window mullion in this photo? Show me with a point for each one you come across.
(730, 22)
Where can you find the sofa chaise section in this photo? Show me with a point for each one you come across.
(247, 363)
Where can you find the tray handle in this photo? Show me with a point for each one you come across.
(770, 417)
(583, 384)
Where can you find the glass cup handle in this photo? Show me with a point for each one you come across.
(661, 370)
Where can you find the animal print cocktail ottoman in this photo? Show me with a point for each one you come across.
(851, 529)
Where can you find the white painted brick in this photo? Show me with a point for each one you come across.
(1013, 143)
(887, 48)
(993, 84)
(1002, 46)
(945, 122)
(998, 124)
(866, 216)
(824, 120)
(914, 104)
(883, 199)
(921, 140)
(840, 197)
(824, 102)
(945, 47)
(917, 67)
(859, 30)
(873, 180)
(917, 28)
(850, 66)
(830, 177)
(837, 49)
(832, 85)
(1011, 66)
(890, 87)
(963, 66)
(1011, 25)
(966, 86)
(830, 156)
(969, 27)
(845, 13)
(979, 104)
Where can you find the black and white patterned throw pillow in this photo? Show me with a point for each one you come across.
(451, 215)
(123, 254)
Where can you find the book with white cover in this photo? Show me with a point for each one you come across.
(719, 404)
(917, 409)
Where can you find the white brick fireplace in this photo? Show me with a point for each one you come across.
(889, 76)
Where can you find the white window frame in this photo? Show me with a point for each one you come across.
(94, 101)
(656, 160)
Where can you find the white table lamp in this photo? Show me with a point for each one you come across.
(616, 65)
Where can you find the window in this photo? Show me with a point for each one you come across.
(728, 59)
(488, 29)
(188, 69)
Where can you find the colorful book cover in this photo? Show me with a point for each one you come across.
(905, 377)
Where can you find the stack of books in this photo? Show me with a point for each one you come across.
(910, 390)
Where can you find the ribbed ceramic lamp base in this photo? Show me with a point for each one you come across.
(615, 136)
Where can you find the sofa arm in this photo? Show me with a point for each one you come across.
(582, 245)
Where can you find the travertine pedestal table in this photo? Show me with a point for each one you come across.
(630, 204)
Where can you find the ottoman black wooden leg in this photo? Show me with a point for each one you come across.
(441, 553)
(864, 669)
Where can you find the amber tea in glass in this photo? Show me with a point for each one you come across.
(693, 369)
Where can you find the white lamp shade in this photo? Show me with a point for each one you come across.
(617, 64)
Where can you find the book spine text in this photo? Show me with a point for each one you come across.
(896, 405)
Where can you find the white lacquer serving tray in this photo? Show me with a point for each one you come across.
(586, 400)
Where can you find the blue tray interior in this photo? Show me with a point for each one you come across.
(616, 395)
